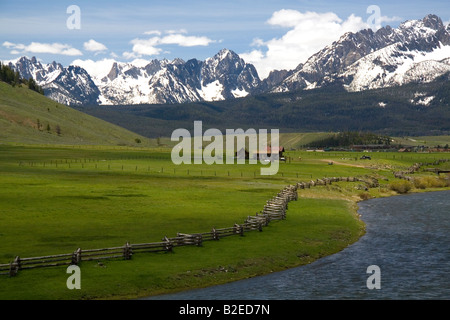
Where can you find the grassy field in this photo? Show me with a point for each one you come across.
(430, 141)
(29, 117)
(56, 199)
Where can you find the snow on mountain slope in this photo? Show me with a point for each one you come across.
(418, 50)
(239, 93)
(71, 85)
(396, 65)
(212, 91)
(123, 84)
(220, 77)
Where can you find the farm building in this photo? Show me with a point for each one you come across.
(242, 154)
(269, 152)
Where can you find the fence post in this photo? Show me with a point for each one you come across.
(239, 229)
(76, 257)
(215, 234)
(168, 245)
(199, 240)
(127, 251)
(14, 267)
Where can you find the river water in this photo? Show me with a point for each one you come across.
(407, 238)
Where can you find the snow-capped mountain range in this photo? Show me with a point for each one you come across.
(68, 85)
(416, 51)
(221, 77)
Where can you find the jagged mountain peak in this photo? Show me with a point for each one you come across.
(368, 59)
(430, 21)
(113, 73)
(226, 54)
(226, 75)
(177, 61)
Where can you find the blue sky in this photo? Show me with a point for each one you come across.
(262, 32)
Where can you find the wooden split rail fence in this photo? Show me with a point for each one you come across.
(415, 167)
(275, 209)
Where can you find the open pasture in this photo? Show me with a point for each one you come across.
(54, 200)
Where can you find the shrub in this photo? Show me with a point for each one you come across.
(421, 183)
(365, 196)
(431, 182)
(445, 180)
(401, 186)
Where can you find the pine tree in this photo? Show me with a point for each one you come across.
(31, 84)
(16, 78)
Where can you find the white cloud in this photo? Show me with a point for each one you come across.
(37, 47)
(387, 19)
(151, 46)
(293, 18)
(140, 63)
(185, 41)
(96, 69)
(257, 42)
(8, 44)
(153, 32)
(143, 47)
(129, 55)
(307, 33)
(176, 31)
(93, 45)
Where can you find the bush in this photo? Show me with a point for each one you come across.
(445, 180)
(365, 196)
(401, 186)
(431, 182)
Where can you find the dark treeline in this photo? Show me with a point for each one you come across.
(349, 138)
(13, 78)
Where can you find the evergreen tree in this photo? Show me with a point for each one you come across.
(13, 78)
(31, 84)
(17, 79)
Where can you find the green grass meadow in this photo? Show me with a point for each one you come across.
(54, 200)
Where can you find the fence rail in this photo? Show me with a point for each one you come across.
(416, 167)
(274, 209)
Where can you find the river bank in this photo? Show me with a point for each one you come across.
(409, 246)
(330, 192)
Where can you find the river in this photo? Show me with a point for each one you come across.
(407, 239)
